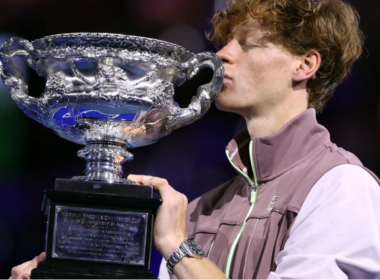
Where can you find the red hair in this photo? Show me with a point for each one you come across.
(329, 26)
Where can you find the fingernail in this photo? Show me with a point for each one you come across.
(25, 277)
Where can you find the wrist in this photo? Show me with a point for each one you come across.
(167, 248)
(170, 250)
(188, 248)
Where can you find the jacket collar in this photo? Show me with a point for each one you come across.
(273, 155)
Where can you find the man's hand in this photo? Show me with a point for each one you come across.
(170, 230)
(23, 271)
(170, 225)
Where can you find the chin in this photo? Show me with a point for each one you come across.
(222, 106)
(228, 105)
(219, 104)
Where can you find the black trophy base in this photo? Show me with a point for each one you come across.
(88, 271)
(97, 230)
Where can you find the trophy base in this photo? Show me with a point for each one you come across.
(85, 271)
(97, 230)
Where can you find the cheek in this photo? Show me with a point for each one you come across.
(256, 76)
(274, 71)
(256, 68)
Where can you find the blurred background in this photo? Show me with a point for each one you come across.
(192, 158)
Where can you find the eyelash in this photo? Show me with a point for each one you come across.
(248, 46)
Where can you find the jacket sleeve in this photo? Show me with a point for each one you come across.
(163, 273)
(337, 231)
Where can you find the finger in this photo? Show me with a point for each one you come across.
(160, 185)
(34, 263)
(156, 182)
(137, 178)
(41, 258)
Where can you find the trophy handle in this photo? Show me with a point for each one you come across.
(12, 77)
(201, 102)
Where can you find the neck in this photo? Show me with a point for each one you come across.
(262, 125)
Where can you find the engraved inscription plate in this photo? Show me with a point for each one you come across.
(100, 235)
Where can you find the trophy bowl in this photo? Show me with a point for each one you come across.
(108, 92)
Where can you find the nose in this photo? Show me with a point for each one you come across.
(228, 53)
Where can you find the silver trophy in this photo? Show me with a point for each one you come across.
(109, 92)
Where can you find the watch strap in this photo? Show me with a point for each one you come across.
(182, 251)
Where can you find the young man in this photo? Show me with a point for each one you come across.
(300, 207)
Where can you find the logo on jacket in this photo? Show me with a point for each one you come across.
(271, 205)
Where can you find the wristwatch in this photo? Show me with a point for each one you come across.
(187, 248)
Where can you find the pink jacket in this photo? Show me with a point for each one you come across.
(287, 165)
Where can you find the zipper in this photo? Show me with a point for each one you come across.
(249, 245)
(253, 197)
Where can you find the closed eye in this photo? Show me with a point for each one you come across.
(249, 46)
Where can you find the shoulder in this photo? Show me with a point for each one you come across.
(346, 178)
(336, 232)
(344, 193)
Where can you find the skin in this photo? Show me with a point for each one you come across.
(265, 84)
(23, 271)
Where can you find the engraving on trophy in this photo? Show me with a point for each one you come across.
(99, 235)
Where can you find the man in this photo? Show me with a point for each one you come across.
(300, 207)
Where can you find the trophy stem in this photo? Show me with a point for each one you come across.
(104, 162)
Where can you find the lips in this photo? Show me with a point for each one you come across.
(227, 78)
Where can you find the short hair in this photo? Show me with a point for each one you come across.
(330, 27)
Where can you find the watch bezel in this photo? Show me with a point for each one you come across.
(194, 248)
(187, 248)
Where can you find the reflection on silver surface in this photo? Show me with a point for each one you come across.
(109, 92)
(99, 235)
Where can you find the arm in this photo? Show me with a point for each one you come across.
(337, 231)
(170, 230)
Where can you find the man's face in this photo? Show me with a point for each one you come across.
(258, 73)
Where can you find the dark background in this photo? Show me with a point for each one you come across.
(192, 158)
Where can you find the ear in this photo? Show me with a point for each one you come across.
(307, 66)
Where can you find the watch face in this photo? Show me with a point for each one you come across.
(194, 246)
